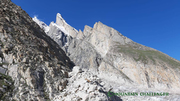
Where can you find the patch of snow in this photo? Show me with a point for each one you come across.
(60, 27)
(41, 24)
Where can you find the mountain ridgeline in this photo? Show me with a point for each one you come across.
(115, 57)
(104, 49)
(58, 63)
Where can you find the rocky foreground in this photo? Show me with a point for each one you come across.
(32, 65)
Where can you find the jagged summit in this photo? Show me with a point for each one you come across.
(62, 23)
(111, 48)
(116, 58)
(97, 24)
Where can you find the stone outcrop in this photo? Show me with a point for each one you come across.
(109, 54)
(32, 65)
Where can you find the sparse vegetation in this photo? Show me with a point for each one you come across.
(1, 44)
(146, 56)
(1, 64)
(6, 83)
(46, 95)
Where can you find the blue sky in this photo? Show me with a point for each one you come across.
(154, 23)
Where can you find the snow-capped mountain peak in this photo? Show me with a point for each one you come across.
(61, 24)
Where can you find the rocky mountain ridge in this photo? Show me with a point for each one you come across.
(116, 58)
(56, 62)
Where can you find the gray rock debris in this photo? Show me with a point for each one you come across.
(85, 86)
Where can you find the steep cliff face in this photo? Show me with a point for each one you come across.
(112, 55)
(30, 61)
(141, 64)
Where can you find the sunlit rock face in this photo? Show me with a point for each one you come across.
(106, 51)
(56, 62)
(124, 65)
